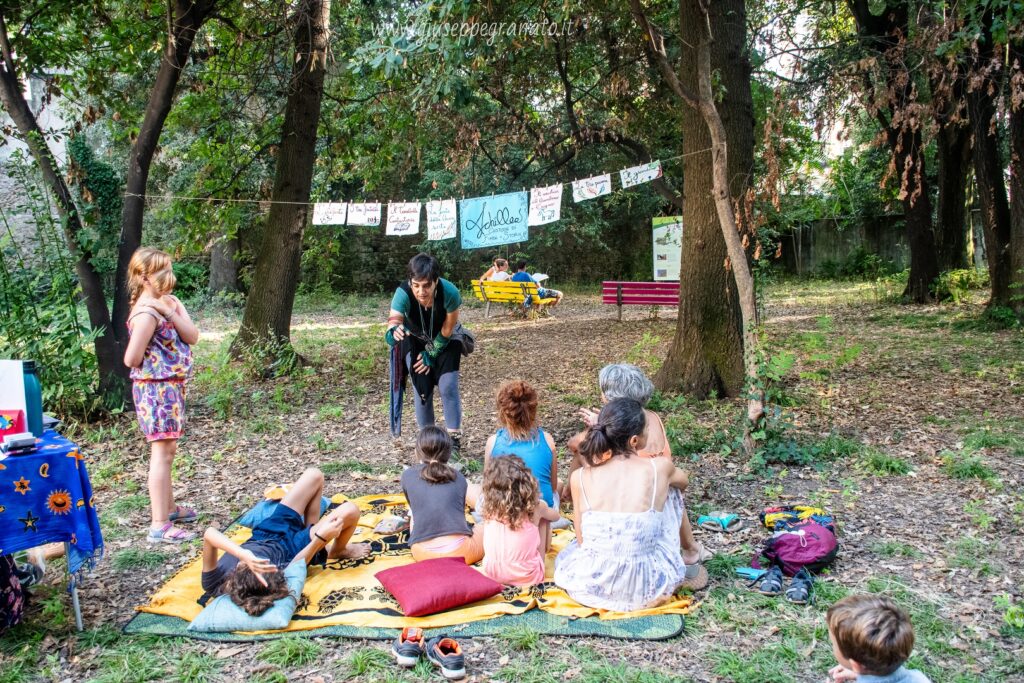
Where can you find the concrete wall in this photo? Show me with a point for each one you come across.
(807, 249)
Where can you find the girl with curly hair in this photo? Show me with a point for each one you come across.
(513, 546)
(519, 434)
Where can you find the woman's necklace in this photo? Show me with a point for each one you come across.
(427, 332)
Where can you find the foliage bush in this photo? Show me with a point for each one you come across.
(193, 277)
(954, 285)
(858, 265)
(39, 305)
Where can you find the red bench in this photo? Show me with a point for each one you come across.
(640, 294)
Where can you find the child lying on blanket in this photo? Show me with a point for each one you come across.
(249, 572)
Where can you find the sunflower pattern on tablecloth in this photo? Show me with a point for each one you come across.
(47, 498)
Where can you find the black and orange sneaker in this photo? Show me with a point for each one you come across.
(446, 653)
(408, 647)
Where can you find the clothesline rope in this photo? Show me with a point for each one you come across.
(152, 197)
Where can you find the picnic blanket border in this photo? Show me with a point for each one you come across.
(667, 627)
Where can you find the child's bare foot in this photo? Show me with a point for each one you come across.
(696, 554)
(355, 551)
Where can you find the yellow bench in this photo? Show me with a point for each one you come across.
(507, 292)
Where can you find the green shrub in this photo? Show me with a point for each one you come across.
(39, 316)
(954, 285)
(193, 279)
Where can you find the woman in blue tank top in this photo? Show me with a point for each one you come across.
(520, 435)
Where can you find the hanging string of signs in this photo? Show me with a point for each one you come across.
(481, 221)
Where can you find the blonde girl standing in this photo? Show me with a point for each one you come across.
(160, 333)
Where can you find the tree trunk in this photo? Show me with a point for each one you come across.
(884, 35)
(113, 373)
(988, 165)
(224, 265)
(268, 309)
(1016, 99)
(706, 355)
(188, 17)
(952, 235)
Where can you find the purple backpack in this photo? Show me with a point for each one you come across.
(804, 545)
(12, 597)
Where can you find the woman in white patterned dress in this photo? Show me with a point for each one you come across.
(627, 513)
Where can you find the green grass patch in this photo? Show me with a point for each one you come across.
(290, 651)
(367, 660)
(970, 553)
(133, 558)
(333, 413)
(196, 667)
(723, 565)
(987, 438)
(520, 637)
(128, 504)
(338, 466)
(966, 466)
(883, 465)
(895, 549)
(133, 661)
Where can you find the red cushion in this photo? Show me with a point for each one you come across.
(433, 586)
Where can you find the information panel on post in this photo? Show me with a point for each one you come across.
(668, 247)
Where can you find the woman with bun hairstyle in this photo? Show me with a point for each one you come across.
(626, 553)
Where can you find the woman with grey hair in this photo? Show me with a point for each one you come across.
(624, 380)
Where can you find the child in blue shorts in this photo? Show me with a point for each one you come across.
(249, 573)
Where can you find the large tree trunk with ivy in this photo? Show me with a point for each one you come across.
(268, 309)
(113, 373)
(706, 354)
(988, 163)
(1016, 99)
(185, 18)
(952, 235)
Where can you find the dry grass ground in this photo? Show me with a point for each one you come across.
(906, 422)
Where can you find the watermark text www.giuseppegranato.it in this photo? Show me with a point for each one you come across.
(489, 31)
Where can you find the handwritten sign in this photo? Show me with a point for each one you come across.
(441, 219)
(637, 175)
(364, 213)
(332, 213)
(588, 188)
(545, 205)
(403, 218)
(487, 221)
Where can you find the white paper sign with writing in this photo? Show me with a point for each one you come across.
(332, 213)
(545, 205)
(588, 188)
(364, 213)
(441, 219)
(637, 175)
(403, 218)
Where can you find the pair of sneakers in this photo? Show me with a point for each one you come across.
(442, 651)
(800, 590)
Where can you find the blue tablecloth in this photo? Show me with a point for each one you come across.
(45, 497)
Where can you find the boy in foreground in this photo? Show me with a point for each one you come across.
(871, 639)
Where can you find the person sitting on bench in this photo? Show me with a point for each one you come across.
(522, 276)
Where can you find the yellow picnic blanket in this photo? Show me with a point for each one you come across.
(346, 593)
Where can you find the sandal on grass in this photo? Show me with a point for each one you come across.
(770, 583)
(801, 588)
(720, 521)
(182, 514)
(169, 533)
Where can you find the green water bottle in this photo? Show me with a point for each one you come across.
(33, 398)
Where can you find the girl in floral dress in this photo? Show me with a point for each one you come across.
(159, 355)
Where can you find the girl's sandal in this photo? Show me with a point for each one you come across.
(169, 533)
(183, 515)
(696, 577)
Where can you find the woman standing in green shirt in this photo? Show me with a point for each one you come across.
(424, 313)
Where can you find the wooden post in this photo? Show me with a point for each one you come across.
(618, 299)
